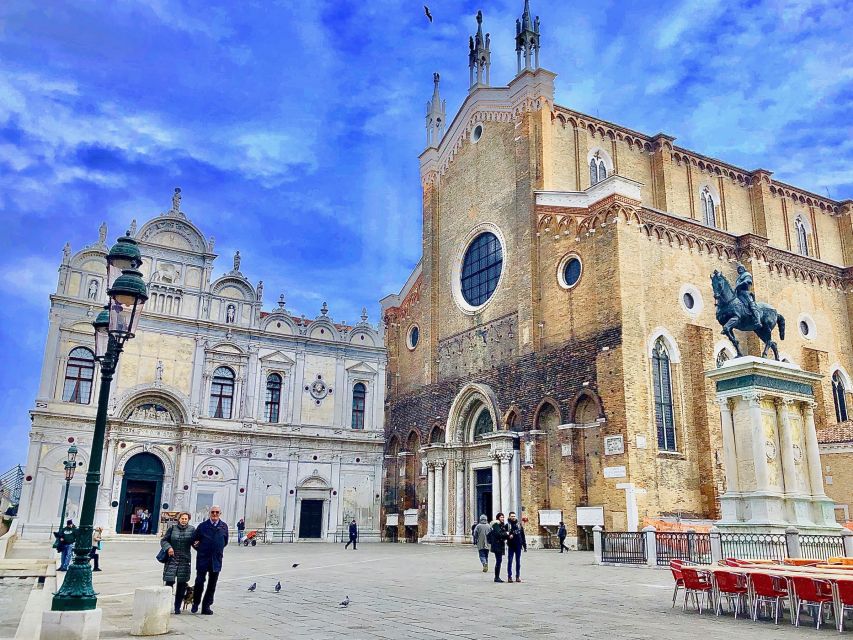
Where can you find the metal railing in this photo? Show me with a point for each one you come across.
(11, 483)
(271, 536)
(821, 547)
(676, 545)
(748, 546)
(624, 547)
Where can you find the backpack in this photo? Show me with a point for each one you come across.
(490, 536)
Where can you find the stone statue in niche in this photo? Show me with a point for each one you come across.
(158, 373)
(93, 290)
(230, 313)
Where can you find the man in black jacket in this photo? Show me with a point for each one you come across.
(561, 534)
(498, 543)
(515, 543)
(353, 535)
(209, 540)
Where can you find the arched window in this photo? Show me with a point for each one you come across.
(709, 213)
(512, 422)
(222, 393)
(602, 170)
(593, 172)
(79, 373)
(359, 394)
(662, 381)
(436, 436)
(802, 236)
(273, 400)
(839, 398)
(483, 425)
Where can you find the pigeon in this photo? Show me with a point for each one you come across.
(253, 587)
(345, 603)
(278, 586)
(428, 14)
(295, 564)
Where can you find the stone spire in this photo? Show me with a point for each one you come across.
(527, 40)
(479, 57)
(436, 116)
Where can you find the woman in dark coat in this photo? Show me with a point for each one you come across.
(177, 542)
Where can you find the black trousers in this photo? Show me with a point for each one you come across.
(498, 559)
(212, 578)
(352, 541)
(563, 545)
(180, 592)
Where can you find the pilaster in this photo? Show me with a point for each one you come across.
(662, 171)
(759, 199)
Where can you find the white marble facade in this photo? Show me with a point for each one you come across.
(304, 465)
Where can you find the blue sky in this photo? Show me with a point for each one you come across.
(294, 128)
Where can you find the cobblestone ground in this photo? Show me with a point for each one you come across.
(13, 596)
(417, 591)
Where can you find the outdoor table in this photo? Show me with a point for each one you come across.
(802, 562)
(842, 561)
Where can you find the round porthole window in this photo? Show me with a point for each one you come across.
(481, 269)
(688, 300)
(477, 133)
(569, 271)
(691, 300)
(807, 326)
(414, 336)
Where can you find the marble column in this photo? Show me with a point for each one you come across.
(759, 446)
(496, 487)
(505, 457)
(515, 490)
(813, 452)
(431, 499)
(786, 442)
(439, 498)
(729, 451)
(460, 498)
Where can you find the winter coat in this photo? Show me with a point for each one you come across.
(241, 526)
(561, 532)
(518, 539)
(180, 539)
(481, 532)
(353, 531)
(212, 541)
(68, 536)
(499, 536)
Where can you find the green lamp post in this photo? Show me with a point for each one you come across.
(114, 326)
(70, 464)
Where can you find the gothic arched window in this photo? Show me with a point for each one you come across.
(802, 236)
(593, 172)
(602, 170)
(483, 425)
(272, 404)
(662, 382)
(839, 398)
(222, 393)
(436, 436)
(359, 395)
(79, 373)
(709, 213)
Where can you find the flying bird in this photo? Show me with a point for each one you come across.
(295, 564)
(428, 14)
(253, 587)
(278, 586)
(345, 603)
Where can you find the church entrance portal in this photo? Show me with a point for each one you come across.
(484, 493)
(311, 519)
(141, 489)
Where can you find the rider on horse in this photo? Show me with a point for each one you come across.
(742, 289)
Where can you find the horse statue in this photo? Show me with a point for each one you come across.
(744, 314)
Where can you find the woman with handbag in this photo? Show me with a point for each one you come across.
(97, 534)
(176, 544)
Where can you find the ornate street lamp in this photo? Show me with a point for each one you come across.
(70, 464)
(114, 326)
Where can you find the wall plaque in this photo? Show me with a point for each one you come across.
(614, 445)
(614, 472)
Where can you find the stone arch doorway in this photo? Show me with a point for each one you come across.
(141, 489)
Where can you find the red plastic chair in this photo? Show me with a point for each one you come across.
(811, 591)
(731, 586)
(767, 588)
(675, 567)
(698, 585)
(845, 599)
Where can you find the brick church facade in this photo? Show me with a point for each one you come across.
(548, 353)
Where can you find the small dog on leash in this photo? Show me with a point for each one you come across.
(188, 598)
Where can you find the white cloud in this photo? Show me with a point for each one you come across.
(30, 280)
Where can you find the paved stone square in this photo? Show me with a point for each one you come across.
(415, 591)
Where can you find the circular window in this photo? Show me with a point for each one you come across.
(477, 133)
(804, 327)
(688, 301)
(807, 326)
(414, 336)
(691, 300)
(569, 271)
(481, 269)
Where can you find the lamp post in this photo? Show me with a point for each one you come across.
(114, 326)
(70, 464)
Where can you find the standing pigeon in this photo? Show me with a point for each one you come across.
(295, 564)
(253, 587)
(278, 586)
(428, 14)
(345, 603)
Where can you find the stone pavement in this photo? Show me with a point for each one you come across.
(401, 591)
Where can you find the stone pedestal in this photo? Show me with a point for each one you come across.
(770, 450)
(71, 625)
(152, 607)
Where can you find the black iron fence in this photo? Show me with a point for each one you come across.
(747, 546)
(821, 547)
(624, 547)
(690, 546)
(270, 536)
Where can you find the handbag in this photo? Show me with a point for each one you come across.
(162, 556)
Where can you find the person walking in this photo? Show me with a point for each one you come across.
(177, 570)
(241, 528)
(97, 535)
(498, 543)
(67, 538)
(353, 535)
(561, 534)
(209, 540)
(146, 521)
(516, 541)
(481, 541)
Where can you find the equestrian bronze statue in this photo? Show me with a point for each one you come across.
(737, 309)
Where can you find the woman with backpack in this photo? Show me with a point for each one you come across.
(177, 542)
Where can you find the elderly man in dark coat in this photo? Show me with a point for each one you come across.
(209, 540)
